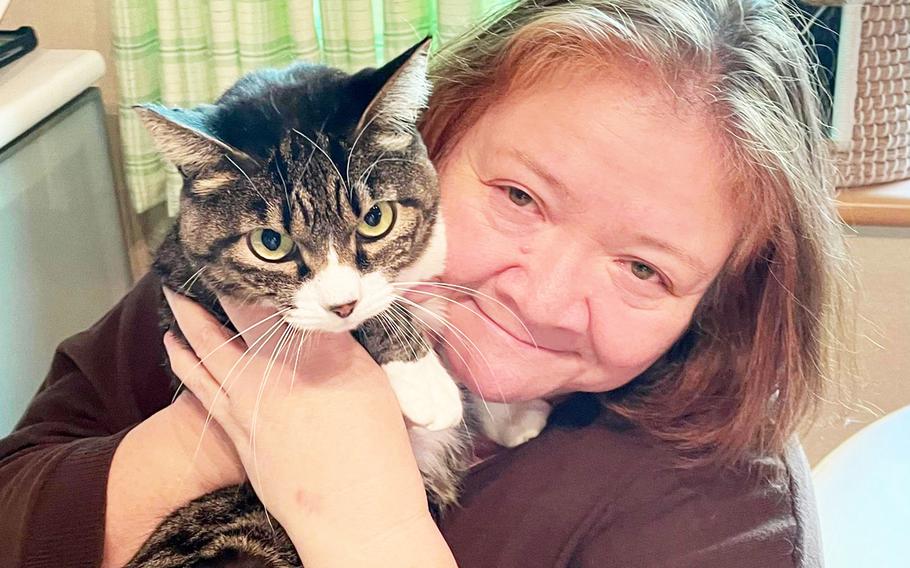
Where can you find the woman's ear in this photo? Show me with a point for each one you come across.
(398, 104)
(184, 138)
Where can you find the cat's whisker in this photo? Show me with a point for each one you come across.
(287, 193)
(365, 174)
(347, 167)
(265, 378)
(369, 169)
(455, 350)
(285, 338)
(253, 185)
(400, 314)
(284, 361)
(395, 324)
(382, 319)
(324, 153)
(232, 338)
(459, 304)
(294, 334)
(303, 337)
(263, 339)
(240, 334)
(262, 386)
(308, 158)
(223, 387)
(193, 283)
(194, 275)
(471, 292)
(462, 336)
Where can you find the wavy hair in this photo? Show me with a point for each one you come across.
(771, 330)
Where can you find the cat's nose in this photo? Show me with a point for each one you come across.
(343, 310)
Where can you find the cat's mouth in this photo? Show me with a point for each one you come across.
(338, 318)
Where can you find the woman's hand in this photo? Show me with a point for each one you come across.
(174, 456)
(319, 433)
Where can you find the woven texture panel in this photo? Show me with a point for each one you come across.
(880, 148)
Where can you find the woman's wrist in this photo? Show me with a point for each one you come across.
(157, 469)
(328, 542)
(207, 453)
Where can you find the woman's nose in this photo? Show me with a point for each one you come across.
(549, 288)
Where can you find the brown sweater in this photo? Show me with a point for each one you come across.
(584, 494)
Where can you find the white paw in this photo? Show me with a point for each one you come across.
(513, 424)
(426, 393)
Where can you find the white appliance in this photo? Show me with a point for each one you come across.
(63, 262)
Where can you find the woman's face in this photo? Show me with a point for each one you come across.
(591, 214)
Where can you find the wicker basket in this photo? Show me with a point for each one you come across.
(875, 145)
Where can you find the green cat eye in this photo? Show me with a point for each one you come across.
(378, 221)
(269, 245)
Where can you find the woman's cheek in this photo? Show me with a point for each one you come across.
(474, 245)
(627, 339)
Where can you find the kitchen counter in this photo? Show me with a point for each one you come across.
(36, 85)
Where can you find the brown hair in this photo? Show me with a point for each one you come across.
(770, 330)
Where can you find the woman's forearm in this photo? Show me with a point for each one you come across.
(354, 512)
(414, 543)
(156, 469)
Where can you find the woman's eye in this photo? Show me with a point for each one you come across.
(641, 270)
(269, 245)
(378, 221)
(519, 197)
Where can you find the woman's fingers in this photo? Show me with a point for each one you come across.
(254, 321)
(318, 344)
(215, 345)
(191, 373)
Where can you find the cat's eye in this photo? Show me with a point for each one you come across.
(269, 245)
(378, 221)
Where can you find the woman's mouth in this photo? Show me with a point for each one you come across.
(523, 340)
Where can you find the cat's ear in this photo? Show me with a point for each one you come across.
(398, 104)
(184, 138)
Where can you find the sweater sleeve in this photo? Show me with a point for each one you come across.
(735, 521)
(54, 466)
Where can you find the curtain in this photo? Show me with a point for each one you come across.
(187, 52)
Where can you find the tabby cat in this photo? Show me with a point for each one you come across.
(310, 189)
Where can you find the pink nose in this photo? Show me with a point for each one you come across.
(343, 310)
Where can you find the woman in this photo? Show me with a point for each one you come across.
(642, 184)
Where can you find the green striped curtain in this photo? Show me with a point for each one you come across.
(187, 52)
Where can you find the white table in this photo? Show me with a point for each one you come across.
(863, 492)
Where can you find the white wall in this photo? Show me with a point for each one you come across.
(70, 24)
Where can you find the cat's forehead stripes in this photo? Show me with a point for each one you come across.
(216, 182)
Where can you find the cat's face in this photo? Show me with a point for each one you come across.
(309, 190)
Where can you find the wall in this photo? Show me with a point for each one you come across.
(74, 24)
(882, 257)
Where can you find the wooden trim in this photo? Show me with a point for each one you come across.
(886, 204)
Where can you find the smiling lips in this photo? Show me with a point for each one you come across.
(523, 340)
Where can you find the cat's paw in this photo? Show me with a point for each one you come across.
(513, 424)
(426, 393)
